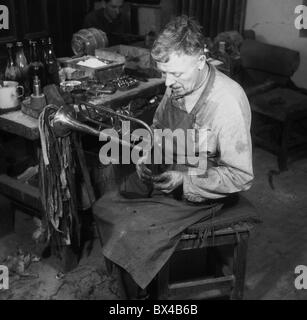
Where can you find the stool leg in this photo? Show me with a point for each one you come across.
(159, 290)
(109, 264)
(130, 287)
(239, 266)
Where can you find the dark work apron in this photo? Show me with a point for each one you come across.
(141, 234)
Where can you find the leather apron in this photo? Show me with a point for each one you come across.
(141, 234)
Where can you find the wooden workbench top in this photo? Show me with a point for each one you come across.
(20, 124)
(144, 89)
(23, 125)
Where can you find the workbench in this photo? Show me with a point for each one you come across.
(22, 125)
(25, 196)
(25, 126)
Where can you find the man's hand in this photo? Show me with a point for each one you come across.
(142, 170)
(168, 181)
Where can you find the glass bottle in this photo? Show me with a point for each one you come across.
(36, 66)
(43, 55)
(12, 72)
(22, 63)
(28, 51)
(52, 65)
(44, 50)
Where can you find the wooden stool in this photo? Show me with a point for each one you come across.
(231, 228)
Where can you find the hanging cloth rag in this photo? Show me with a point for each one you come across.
(61, 161)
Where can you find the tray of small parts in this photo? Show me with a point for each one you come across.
(97, 68)
(125, 82)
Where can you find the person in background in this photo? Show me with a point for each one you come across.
(108, 19)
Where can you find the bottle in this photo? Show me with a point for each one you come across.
(12, 72)
(52, 65)
(43, 50)
(22, 63)
(28, 51)
(224, 57)
(36, 66)
(43, 55)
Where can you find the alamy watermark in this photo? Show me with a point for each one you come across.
(183, 147)
(4, 278)
(4, 17)
(301, 20)
(300, 281)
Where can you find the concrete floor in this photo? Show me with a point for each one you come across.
(276, 246)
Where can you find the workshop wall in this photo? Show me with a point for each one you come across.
(156, 17)
(273, 22)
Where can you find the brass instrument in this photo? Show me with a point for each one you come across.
(64, 121)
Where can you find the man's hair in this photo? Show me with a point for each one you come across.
(181, 35)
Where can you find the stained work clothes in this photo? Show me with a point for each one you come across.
(141, 234)
(226, 117)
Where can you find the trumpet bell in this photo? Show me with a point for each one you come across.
(60, 123)
(64, 123)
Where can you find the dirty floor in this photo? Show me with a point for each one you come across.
(276, 246)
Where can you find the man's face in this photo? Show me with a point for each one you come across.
(182, 73)
(113, 8)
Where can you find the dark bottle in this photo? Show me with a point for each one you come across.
(36, 66)
(52, 65)
(44, 50)
(28, 51)
(12, 72)
(44, 57)
(22, 63)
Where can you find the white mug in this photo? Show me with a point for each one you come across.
(9, 97)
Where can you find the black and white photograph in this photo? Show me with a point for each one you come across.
(153, 151)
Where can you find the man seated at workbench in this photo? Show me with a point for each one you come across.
(140, 234)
